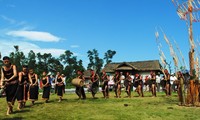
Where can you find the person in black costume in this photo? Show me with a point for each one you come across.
(46, 87)
(80, 90)
(22, 92)
(94, 77)
(105, 78)
(9, 82)
(59, 86)
(33, 90)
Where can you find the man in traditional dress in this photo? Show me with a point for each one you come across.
(105, 78)
(80, 89)
(94, 82)
(116, 79)
(167, 83)
(181, 91)
(128, 83)
(153, 83)
(138, 83)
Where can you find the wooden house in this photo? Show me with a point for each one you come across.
(138, 67)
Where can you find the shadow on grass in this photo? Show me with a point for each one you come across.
(38, 103)
(14, 118)
(65, 99)
(21, 111)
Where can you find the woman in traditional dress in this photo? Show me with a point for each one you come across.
(9, 82)
(33, 91)
(22, 92)
(59, 86)
(46, 87)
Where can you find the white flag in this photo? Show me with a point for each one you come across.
(166, 39)
(157, 34)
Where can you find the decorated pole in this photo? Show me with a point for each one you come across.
(191, 52)
(183, 60)
(189, 11)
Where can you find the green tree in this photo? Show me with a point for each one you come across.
(108, 56)
(96, 63)
(32, 60)
(70, 65)
(18, 58)
(43, 61)
(55, 65)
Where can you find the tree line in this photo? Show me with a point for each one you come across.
(66, 63)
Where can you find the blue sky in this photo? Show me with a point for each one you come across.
(126, 26)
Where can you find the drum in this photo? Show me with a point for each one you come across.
(77, 82)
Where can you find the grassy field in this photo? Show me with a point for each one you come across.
(135, 108)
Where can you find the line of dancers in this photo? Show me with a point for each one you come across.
(23, 85)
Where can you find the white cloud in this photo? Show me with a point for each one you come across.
(74, 46)
(34, 35)
(77, 54)
(23, 30)
(10, 20)
(8, 47)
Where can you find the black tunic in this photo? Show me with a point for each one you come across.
(12, 85)
(46, 89)
(34, 89)
(22, 92)
(59, 87)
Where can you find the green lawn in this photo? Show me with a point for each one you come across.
(135, 108)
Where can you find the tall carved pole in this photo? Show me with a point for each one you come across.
(191, 52)
(189, 11)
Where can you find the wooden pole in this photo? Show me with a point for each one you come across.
(191, 53)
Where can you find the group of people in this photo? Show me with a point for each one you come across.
(93, 87)
(23, 85)
(153, 81)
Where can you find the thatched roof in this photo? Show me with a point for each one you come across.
(138, 66)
